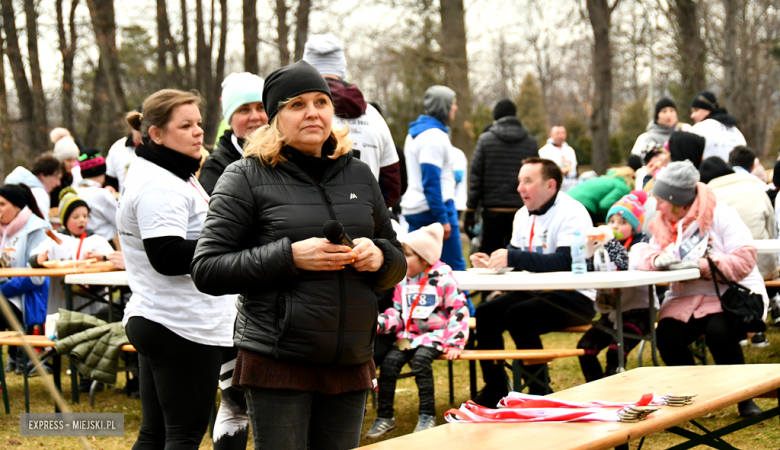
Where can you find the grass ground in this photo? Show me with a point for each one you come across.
(565, 373)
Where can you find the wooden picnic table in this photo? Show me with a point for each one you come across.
(11, 272)
(716, 387)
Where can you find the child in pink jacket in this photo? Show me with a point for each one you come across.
(430, 317)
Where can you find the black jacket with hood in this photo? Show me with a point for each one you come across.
(223, 155)
(496, 163)
(255, 215)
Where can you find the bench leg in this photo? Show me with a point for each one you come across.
(56, 366)
(23, 360)
(473, 378)
(519, 371)
(452, 382)
(3, 385)
(651, 308)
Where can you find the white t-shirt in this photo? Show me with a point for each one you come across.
(68, 252)
(460, 168)
(119, 159)
(370, 135)
(553, 229)
(720, 139)
(429, 147)
(102, 208)
(563, 156)
(156, 203)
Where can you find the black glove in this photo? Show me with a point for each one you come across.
(468, 224)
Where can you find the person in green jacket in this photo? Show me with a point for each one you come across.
(597, 195)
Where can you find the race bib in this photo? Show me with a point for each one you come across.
(692, 244)
(426, 305)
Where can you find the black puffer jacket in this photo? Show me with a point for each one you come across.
(223, 155)
(496, 163)
(255, 215)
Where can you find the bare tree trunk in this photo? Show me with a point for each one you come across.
(203, 61)
(186, 45)
(691, 49)
(213, 116)
(99, 99)
(251, 60)
(600, 13)
(35, 67)
(456, 69)
(301, 27)
(36, 139)
(733, 10)
(102, 14)
(68, 51)
(282, 30)
(6, 137)
(162, 45)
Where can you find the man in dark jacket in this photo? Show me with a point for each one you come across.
(493, 177)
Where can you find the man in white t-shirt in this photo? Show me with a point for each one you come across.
(559, 152)
(460, 168)
(716, 125)
(543, 233)
(369, 132)
(120, 155)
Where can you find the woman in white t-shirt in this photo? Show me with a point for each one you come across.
(178, 331)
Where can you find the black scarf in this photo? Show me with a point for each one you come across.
(179, 164)
(314, 166)
(546, 207)
(722, 115)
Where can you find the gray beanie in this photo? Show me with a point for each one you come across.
(438, 101)
(676, 183)
(326, 54)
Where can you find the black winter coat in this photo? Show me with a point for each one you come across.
(314, 317)
(496, 164)
(223, 155)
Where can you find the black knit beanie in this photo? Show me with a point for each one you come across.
(14, 194)
(503, 108)
(705, 100)
(664, 103)
(291, 81)
(686, 146)
(634, 162)
(714, 167)
(92, 163)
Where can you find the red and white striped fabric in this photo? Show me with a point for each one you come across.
(518, 407)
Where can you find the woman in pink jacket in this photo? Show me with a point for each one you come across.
(690, 226)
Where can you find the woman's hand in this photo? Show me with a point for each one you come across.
(321, 254)
(42, 257)
(453, 353)
(369, 257)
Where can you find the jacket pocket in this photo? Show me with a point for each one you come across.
(283, 319)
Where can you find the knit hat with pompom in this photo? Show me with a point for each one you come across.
(632, 208)
(69, 201)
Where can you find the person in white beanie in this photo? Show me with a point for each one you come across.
(690, 228)
(68, 152)
(429, 317)
(371, 138)
(242, 108)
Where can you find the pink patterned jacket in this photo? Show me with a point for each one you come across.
(448, 324)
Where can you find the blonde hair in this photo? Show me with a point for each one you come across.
(266, 142)
(626, 173)
(158, 109)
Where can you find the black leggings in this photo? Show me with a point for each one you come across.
(178, 380)
(674, 337)
(636, 321)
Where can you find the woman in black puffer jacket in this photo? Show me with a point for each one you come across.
(307, 310)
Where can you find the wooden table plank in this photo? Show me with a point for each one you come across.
(717, 387)
(11, 272)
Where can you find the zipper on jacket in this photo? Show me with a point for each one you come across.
(342, 286)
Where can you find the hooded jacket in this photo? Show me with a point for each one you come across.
(21, 175)
(757, 213)
(310, 317)
(496, 162)
(223, 155)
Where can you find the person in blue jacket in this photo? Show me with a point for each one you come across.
(22, 229)
(429, 165)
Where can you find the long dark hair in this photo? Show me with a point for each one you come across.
(21, 195)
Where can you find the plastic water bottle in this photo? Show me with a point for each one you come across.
(578, 266)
